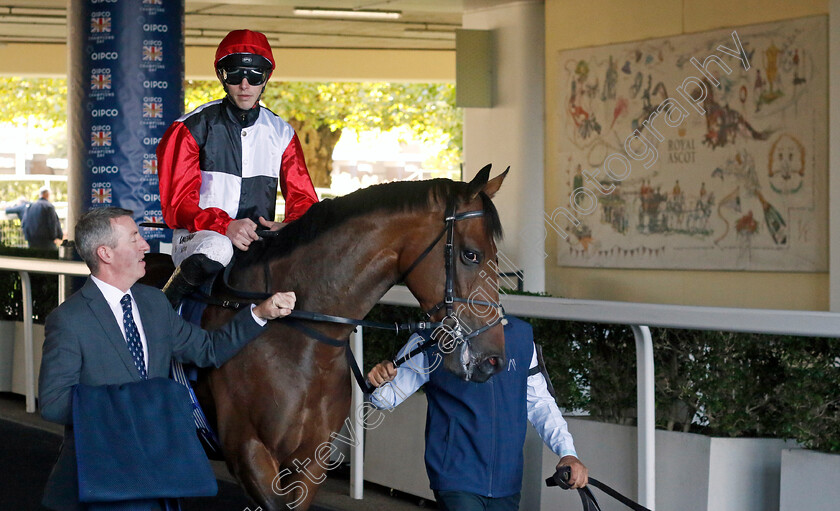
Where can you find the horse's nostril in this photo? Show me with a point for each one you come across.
(493, 361)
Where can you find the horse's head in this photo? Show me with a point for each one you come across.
(471, 336)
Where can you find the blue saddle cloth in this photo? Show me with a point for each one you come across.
(137, 441)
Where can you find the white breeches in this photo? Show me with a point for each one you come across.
(217, 247)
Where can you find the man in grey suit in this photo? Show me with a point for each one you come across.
(91, 340)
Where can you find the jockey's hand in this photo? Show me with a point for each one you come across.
(279, 305)
(272, 226)
(382, 373)
(580, 474)
(242, 233)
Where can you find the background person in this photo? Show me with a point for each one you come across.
(90, 340)
(40, 224)
(220, 166)
(475, 432)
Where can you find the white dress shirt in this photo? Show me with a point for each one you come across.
(113, 296)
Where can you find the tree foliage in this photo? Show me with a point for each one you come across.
(428, 109)
(319, 111)
(39, 101)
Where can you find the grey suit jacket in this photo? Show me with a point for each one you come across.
(84, 344)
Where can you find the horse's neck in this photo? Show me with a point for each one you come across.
(343, 272)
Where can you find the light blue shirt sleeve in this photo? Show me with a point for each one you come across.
(260, 321)
(410, 376)
(546, 416)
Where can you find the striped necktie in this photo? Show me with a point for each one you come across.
(132, 337)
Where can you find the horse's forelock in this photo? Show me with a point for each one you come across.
(492, 222)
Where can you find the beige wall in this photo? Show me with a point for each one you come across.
(303, 65)
(42, 60)
(344, 65)
(598, 22)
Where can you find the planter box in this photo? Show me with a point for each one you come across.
(12, 356)
(394, 449)
(693, 472)
(809, 481)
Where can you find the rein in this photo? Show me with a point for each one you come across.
(449, 321)
(251, 297)
(561, 479)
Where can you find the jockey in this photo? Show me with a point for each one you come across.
(220, 166)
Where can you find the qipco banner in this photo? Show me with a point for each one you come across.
(125, 88)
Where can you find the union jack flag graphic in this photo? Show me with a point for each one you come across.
(155, 219)
(100, 25)
(152, 2)
(152, 53)
(100, 81)
(150, 166)
(100, 195)
(153, 109)
(100, 138)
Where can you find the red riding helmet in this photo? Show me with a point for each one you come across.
(244, 48)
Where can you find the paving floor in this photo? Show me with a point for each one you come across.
(333, 494)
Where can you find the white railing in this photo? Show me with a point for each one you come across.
(638, 316)
(24, 266)
(641, 316)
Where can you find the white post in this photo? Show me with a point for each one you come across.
(646, 417)
(833, 154)
(28, 348)
(357, 451)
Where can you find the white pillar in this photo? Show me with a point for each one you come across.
(834, 154)
(357, 451)
(512, 131)
(646, 417)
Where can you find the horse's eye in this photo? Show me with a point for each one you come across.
(470, 257)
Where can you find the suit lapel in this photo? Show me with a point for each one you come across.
(151, 323)
(102, 312)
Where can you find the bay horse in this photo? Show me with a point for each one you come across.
(277, 402)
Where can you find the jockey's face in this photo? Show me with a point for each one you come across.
(242, 92)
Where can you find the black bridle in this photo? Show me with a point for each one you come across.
(449, 322)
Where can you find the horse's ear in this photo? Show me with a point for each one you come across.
(494, 184)
(479, 181)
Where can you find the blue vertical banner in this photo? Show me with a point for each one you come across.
(125, 88)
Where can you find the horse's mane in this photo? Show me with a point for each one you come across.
(397, 196)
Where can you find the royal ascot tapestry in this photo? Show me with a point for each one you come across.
(703, 151)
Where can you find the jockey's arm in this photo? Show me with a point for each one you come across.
(179, 175)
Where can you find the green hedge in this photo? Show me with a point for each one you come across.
(716, 383)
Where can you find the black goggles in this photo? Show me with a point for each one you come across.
(235, 75)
